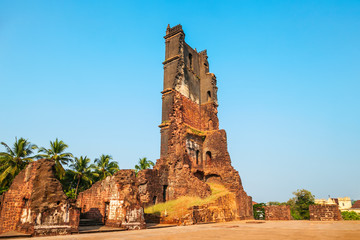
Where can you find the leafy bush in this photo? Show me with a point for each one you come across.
(259, 211)
(350, 215)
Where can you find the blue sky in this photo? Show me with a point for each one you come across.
(90, 73)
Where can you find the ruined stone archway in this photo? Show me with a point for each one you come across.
(213, 178)
(200, 175)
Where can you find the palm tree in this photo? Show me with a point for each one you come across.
(56, 153)
(82, 171)
(143, 164)
(14, 160)
(104, 167)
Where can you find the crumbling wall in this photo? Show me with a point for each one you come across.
(277, 212)
(217, 168)
(36, 204)
(325, 213)
(115, 201)
(222, 210)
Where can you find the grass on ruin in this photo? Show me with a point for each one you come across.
(180, 206)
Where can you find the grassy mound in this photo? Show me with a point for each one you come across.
(180, 206)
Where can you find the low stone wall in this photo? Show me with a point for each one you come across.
(324, 213)
(277, 212)
(36, 204)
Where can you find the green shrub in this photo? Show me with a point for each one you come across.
(350, 215)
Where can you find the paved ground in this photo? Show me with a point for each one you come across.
(234, 230)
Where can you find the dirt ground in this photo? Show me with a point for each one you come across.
(234, 230)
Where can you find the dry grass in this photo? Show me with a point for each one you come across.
(180, 206)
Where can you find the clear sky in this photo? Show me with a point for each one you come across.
(90, 73)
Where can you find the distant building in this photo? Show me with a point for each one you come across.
(343, 203)
(356, 207)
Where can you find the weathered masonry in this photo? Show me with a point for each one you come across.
(323, 212)
(36, 204)
(193, 149)
(113, 202)
(275, 212)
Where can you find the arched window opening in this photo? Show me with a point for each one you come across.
(208, 157)
(209, 96)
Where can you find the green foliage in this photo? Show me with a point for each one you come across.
(83, 173)
(143, 164)
(3, 189)
(14, 160)
(79, 177)
(276, 203)
(56, 153)
(350, 215)
(71, 193)
(104, 167)
(259, 211)
(299, 205)
(197, 132)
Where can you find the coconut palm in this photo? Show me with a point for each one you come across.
(105, 167)
(57, 154)
(82, 171)
(14, 160)
(144, 164)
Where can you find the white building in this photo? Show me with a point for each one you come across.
(343, 203)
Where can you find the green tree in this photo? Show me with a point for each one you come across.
(83, 173)
(14, 160)
(105, 167)
(259, 211)
(57, 154)
(299, 205)
(143, 164)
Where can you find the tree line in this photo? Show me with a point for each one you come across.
(299, 205)
(76, 174)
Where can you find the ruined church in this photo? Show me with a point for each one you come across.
(193, 149)
(193, 154)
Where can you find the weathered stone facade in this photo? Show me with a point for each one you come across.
(193, 149)
(324, 213)
(36, 204)
(114, 201)
(275, 212)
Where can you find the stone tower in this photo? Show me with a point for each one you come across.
(193, 149)
(187, 72)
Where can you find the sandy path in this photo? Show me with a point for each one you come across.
(234, 230)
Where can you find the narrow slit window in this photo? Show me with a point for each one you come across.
(190, 60)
